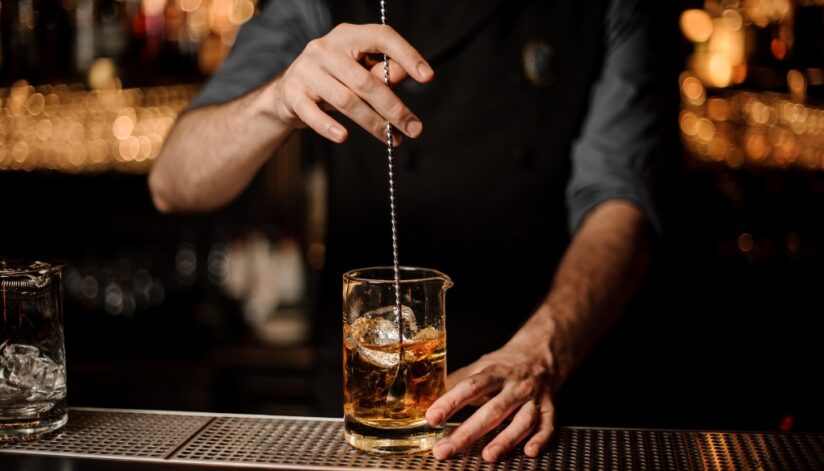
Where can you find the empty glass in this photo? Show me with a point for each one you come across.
(32, 352)
(386, 394)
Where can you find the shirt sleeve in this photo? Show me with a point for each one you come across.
(264, 48)
(613, 156)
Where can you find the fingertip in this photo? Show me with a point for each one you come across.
(414, 128)
(492, 453)
(425, 72)
(443, 451)
(434, 418)
(337, 134)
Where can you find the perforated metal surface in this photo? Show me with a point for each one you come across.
(295, 443)
(118, 434)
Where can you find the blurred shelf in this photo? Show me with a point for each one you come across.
(67, 128)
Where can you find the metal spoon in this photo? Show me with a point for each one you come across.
(397, 389)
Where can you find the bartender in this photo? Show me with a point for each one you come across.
(526, 133)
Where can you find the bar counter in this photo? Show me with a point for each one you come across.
(97, 439)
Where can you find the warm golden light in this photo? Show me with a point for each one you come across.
(153, 7)
(719, 70)
(755, 144)
(688, 122)
(189, 5)
(696, 25)
(122, 127)
(732, 19)
(67, 128)
(706, 130)
(718, 109)
(35, 104)
(693, 91)
(797, 85)
(102, 73)
(242, 11)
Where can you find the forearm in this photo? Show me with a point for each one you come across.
(597, 277)
(212, 153)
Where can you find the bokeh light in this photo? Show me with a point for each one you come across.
(696, 25)
(70, 129)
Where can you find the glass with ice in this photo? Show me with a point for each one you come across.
(32, 355)
(373, 419)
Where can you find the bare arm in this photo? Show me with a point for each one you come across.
(596, 278)
(212, 153)
(598, 275)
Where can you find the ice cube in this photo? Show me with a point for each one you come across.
(410, 323)
(379, 358)
(371, 336)
(24, 371)
(22, 364)
(51, 380)
(8, 391)
(429, 333)
(372, 332)
(379, 328)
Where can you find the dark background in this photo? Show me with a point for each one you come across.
(723, 335)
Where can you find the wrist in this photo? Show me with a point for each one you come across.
(270, 104)
(542, 338)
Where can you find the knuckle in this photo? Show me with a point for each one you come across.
(314, 46)
(450, 403)
(292, 91)
(300, 106)
(379, 129)
(461, 436)
(363, 82)
(385, 32)
(473, 385)
(497, 409)
(342, 28)
(396, 111)
(343, 100)
(524, 389)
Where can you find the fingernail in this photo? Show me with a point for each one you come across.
(414, 128)
(336, 132)
(443, 450)
(425, 70)
(435, 418)
(494, 452)
(532, 450)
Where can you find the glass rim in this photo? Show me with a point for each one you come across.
(16, 267)
(429, 274)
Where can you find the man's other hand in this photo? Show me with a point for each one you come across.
(511, 382)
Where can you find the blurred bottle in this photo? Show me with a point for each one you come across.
(17, 20)
(808, 50)
(112, 28)
(52, 34)
(84, 35)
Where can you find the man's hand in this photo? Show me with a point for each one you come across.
(335, 71)
(511, 382)
(598, 274)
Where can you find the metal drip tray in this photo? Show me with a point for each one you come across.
(313, 443)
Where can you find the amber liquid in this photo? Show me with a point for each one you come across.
(370, 369)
